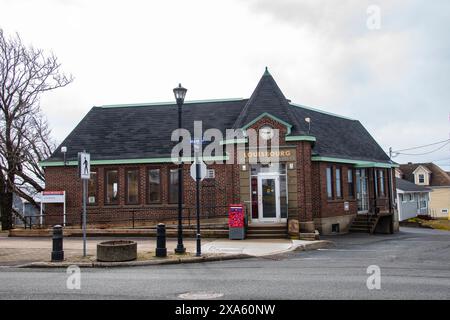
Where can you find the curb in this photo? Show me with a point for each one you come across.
(314, 245)
(97, 264)
(318, 244)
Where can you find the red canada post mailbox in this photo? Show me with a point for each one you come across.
(236, 222)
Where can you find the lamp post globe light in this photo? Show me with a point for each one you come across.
(180, 93)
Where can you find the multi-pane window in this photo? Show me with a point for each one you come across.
(132, 186)
(153, 185)
(112, 186)
(351, 184)
(92, 189)
(173, 186)
(329, 183)
(421, 178)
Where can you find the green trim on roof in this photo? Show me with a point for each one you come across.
(357, 163)
(234, 141)
(129, 161)
(301, 138)
(167, 103)
(321, 111)
(266, 114)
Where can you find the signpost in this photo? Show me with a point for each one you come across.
(198, 173)
(84, 169)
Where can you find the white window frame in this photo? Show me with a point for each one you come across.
(418, 178)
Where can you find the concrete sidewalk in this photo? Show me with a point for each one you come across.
(259, 248)
(37, 251)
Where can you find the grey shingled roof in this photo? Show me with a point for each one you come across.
(340, 137)
(268, 97)
(438, 178)
(144, 131)
(407, 186)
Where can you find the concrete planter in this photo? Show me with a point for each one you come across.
(117, 251)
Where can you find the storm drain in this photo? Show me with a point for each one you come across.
(200, 295)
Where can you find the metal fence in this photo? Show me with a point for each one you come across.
(124, 217)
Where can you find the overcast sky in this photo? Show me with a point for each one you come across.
(395, 79)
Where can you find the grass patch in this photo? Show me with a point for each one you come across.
(440, 224)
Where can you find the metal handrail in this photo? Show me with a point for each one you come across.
(133, 216)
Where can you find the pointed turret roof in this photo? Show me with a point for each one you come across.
(268, 98)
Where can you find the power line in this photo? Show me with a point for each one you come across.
(422, 154)
(419, 147)
(440, 160)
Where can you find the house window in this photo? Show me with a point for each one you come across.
(330, 183)
(173, 186)
(338, 183)
(421, 178)
(92, 189)
(351, 184)
(153, 185)
(411, 197)
(381, 183)
(132, 186)
(112, 186)
(402, 197)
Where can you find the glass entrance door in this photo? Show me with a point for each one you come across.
(362, 193)
(269, 198)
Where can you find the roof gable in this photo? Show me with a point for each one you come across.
(268, 98)
(268, 115)
(423, 168)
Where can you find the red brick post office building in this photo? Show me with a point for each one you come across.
(332, 176)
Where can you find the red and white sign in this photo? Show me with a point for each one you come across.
(53, 197)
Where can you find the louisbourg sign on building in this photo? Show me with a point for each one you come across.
(328, 168)
(279, 155)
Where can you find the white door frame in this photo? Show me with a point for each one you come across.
(277, 218)
(364, 190)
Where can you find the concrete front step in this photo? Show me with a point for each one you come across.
(362, 224)
(250, 233)
(365, 220)
(267, 231)
(267, 236)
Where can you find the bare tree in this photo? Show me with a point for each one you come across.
(25, 73)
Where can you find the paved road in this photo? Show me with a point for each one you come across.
(415, 264)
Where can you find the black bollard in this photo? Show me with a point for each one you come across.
(199, 245)
(161, 250)
(57, 251)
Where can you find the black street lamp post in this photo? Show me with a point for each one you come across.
(180, 93)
